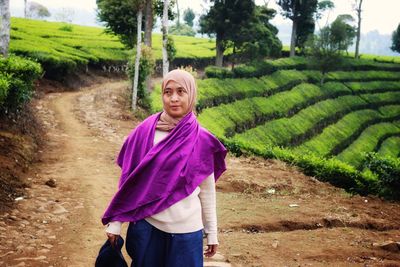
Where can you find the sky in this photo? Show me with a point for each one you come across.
(381, 15)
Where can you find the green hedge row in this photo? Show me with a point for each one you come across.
(338, 136)
(329, 170)
(228, 119)
(261, 68)
(368, 141)
(213, 92)
(307, 123)
(16, 81)
(245, 114)
(390, 147)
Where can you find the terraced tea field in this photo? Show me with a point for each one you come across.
(289, 115)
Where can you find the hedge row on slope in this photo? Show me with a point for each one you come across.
(368, 141)
(16, 81)
(336, 137)
(228, 119)
(261, 68)
(390, 147)
(64, 48)
(245, 114)
(310, 121)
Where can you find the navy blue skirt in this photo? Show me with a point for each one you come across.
(151, 247)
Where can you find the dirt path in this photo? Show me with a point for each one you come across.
(269, 213)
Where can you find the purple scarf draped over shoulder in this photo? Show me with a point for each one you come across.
(155, 177)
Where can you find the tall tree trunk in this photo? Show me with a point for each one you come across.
(358, 10)
(4, 27)
(25, 9)
(294, 31)
(165, 38)
(178, 15)
(148, 28)
(293, 39)
(219, 59)
(137, 61)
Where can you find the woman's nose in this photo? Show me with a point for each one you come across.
(174, 97)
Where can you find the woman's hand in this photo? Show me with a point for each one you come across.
(113, 239)
(211, 250)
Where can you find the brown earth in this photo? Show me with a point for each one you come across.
(269, 213)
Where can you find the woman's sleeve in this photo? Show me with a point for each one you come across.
(114, 228)
(209, 211)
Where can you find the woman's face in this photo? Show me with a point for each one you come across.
(175, 100)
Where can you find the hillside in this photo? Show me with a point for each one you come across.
(324, 129)
(64, 48)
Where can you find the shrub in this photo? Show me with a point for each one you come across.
(218, 72)
(388, 170)
(16, 81)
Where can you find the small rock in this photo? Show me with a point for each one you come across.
(19, 198)
(275, 243)
(58, 209)
(388, 245)
(51, 182)
(13, 217)
(47, 246)
(293, 205)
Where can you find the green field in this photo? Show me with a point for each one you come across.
(62, 48)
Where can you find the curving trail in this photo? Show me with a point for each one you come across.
(270, 214)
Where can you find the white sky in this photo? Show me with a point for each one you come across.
(381, 15)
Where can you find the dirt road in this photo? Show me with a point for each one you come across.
(269, 213)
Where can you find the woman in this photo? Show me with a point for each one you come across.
(167, 185)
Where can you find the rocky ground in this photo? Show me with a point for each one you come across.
(269, 213)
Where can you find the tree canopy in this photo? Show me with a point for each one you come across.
(119, 17)
(188, 16)
(242, 26)
(396, 40)
(303, 14)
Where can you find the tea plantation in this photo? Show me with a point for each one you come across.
(327, 130)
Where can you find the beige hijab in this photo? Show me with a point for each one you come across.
(186, 80)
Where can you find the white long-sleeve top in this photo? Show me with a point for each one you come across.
(195, 212)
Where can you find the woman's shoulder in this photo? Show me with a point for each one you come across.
(207, 137)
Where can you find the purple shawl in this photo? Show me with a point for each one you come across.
(155, 177)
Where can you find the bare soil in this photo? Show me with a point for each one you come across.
(269, 213)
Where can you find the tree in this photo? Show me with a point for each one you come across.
(120, 19)
(323, 51)
(303, 14)
(396, 40)
(343, 33)
(165, 38)
(188, 16)
(139, 8)
(149, 23)
(257, 38)
(36, 10)
(25, 8)
(357, 7)
(223, 21)
(4, 27)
